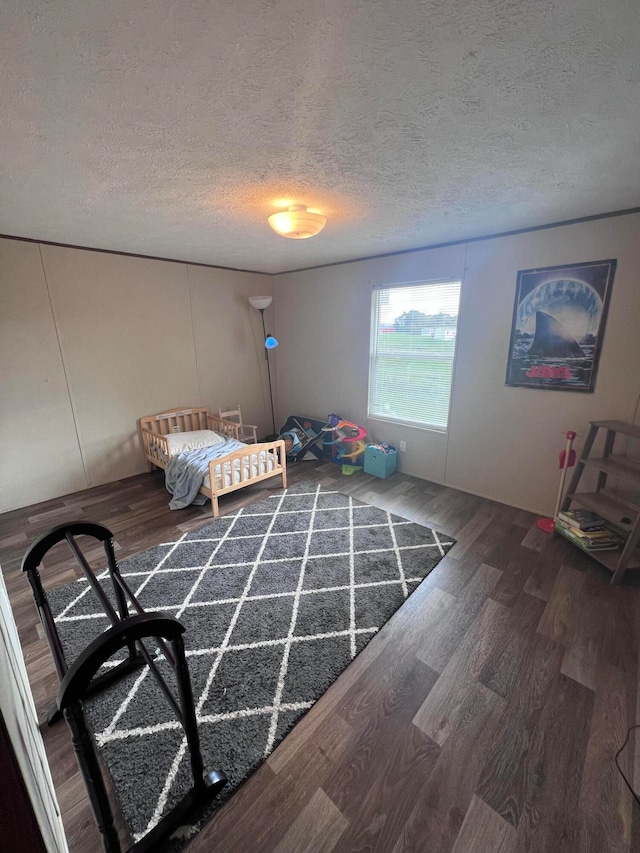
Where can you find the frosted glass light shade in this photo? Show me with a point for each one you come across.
(260, 302)
(297, 222)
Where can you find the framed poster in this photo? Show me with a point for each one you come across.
(558, 323)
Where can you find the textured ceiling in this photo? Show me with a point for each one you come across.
(173, 128)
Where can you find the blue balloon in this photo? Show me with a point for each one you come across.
(270, 342)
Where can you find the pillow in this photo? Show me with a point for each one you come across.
(195, 440)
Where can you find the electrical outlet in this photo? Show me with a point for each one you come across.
(403, 446)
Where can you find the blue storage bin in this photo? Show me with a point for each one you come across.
(380, 464)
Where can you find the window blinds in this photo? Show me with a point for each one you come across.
(413, 339)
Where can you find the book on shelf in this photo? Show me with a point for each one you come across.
(597, 535)
(611, 544)
(583, 519)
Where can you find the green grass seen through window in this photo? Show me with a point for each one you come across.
(407, 365)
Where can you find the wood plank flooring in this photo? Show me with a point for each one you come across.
(483, 718)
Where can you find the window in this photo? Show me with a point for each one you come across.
(413, 341)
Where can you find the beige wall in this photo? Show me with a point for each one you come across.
(502, 442)
(39, 452)
(91, 341)
(229, 342)
(128, 348)
(323, 325)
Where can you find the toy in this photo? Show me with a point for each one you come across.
(292, 441)
(567, 460)
(335, 439)
(356, 449)
(309, 434)
(346, 440)
(384, 447)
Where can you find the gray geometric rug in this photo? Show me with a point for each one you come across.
(277, 599)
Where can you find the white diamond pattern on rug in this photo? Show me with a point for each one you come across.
(276, 599)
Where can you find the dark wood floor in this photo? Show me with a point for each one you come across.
(484, 717)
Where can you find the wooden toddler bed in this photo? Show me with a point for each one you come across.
(233, 471)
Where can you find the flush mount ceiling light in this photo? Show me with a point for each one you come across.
(297, 222)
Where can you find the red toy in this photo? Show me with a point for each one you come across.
(567, 460)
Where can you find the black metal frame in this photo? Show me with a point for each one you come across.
(266, 355)
(79, 680)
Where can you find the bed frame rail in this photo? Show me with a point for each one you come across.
(244, 467)
(153, 428)
(249, 460)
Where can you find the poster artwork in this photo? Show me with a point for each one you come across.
(558, 325)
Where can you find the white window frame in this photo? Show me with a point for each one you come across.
(373, 339)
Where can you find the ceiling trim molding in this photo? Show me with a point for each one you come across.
(130, 254)
(629, 211)
(610, 215)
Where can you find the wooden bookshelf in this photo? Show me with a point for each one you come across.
(622, 514)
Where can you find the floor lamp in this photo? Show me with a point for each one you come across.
(262, 302)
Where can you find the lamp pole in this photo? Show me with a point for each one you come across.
(266, 355)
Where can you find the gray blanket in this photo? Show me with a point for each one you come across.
(186, 471)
